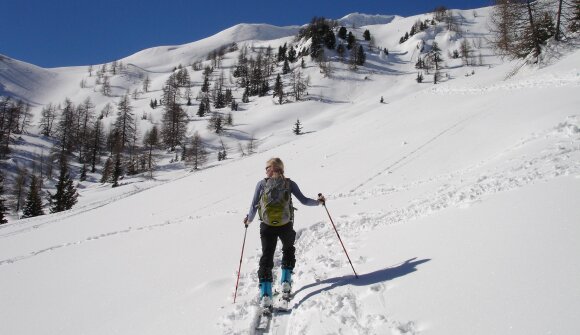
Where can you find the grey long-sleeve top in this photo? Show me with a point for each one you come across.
(294, 189)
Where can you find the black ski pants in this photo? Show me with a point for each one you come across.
(269, 236)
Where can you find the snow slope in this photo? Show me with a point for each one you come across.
(22, 80)
(457, 202)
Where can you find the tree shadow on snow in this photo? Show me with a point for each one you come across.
(366, 279)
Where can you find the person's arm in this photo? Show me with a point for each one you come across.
(298, 194)
(253, 207)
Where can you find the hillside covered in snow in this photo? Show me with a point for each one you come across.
(457, 201)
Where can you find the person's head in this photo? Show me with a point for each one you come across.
(274, 167)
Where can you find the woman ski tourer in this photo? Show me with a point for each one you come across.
(273, 202)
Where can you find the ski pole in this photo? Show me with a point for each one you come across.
(343, 248)
(240, 267)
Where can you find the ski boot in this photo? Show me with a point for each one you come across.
(286, 283)
(266, 303)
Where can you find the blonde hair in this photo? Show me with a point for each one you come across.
(277, 165)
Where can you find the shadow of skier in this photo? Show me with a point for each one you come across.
(367, 279)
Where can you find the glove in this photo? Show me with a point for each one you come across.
(246, 221)
(321, 198)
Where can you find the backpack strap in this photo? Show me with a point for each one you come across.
(292, 208)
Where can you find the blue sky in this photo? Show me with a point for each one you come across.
(82, 32)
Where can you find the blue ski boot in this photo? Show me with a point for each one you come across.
(266, 296)
(286, 282)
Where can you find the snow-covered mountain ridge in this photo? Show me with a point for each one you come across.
(359, 20)
(457, 203)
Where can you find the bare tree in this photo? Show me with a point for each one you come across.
(18, 189)
(465, 52)
(519, 28)
(151, 141)
(106, 86)
(146, 84)
(198, 152)
(298, 84)
(125, 123)
(251, 145)
(47, 117)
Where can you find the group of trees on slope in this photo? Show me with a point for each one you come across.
(521, 28)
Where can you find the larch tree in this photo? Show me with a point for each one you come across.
(174, 119)
(198, 153)
(3, 207)
(125, 123)
(33, 204)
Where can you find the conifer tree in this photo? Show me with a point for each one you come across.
(66, 193)
(435, 55)
(360, 56)
(229, 119)
(228, 96)
(3, 208)
(419, 77)
(297, 128)
(117, 170)
(279, 89)
(202, 108)
(33, 204)
(367, 35)
(220, 101)
(234, 105)
(350, 40)
(329, 39)
(246, 95)
(205, 86)
(107, 170)
(282, 53)
(84, 171)
(342, 33)
(286, 67)
(216, 123)
(291, 54)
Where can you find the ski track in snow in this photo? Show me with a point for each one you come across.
(316, 297)
(570, 79)
(60, 216)
(76, 211)
(319, 298)
(88, 239)
(403, 160)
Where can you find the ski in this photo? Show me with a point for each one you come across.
(278, 305)
(283, 302)
(264, 320)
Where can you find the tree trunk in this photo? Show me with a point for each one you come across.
(558, 17)
(536, 41)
